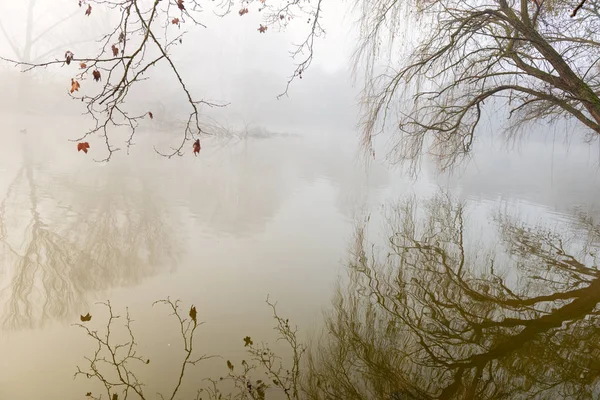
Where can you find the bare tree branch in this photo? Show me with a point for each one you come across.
(527, 57)
(142, 38)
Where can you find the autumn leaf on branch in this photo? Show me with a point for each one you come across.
(83, 146)
(193, 314)
(248, 341)
(128, 51)
(74, 85)
(69, 56)
(85, 318)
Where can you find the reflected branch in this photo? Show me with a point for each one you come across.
(55, 256)
(429, 316)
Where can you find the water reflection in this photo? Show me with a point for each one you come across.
(240, 188)
(439, 315)
(243, 188)
(62, 238)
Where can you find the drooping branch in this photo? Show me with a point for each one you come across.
(521, 52)
(142, 38)
(428, 315)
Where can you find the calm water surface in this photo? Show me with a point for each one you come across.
(277, 216)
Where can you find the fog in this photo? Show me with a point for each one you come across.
(268, 207)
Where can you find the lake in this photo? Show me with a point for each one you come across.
(277, 214)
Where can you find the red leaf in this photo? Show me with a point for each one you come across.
(96, 75)
(180, 4)
(197, 147)
(83, 146)
(115, 50)
(82, 65)
(74, 85)
(243, 11)
(262, 29)
(150, 115)
(175, 21)
(89, 10)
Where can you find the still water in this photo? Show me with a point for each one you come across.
(473, 289)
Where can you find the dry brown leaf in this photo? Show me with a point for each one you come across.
(87, 317)
(69, 56)
(96, 75)
(74, 85)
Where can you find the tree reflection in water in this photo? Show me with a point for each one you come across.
(436, 317)
(61, 240)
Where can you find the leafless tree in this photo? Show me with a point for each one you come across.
(112, 363)
(434, 315)
(51, 261)
(116, 363)
(145, 35)
(537, 58)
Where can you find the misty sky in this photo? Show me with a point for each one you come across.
(231, 61)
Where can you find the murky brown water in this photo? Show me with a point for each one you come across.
(262, 216)
(222, 231)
